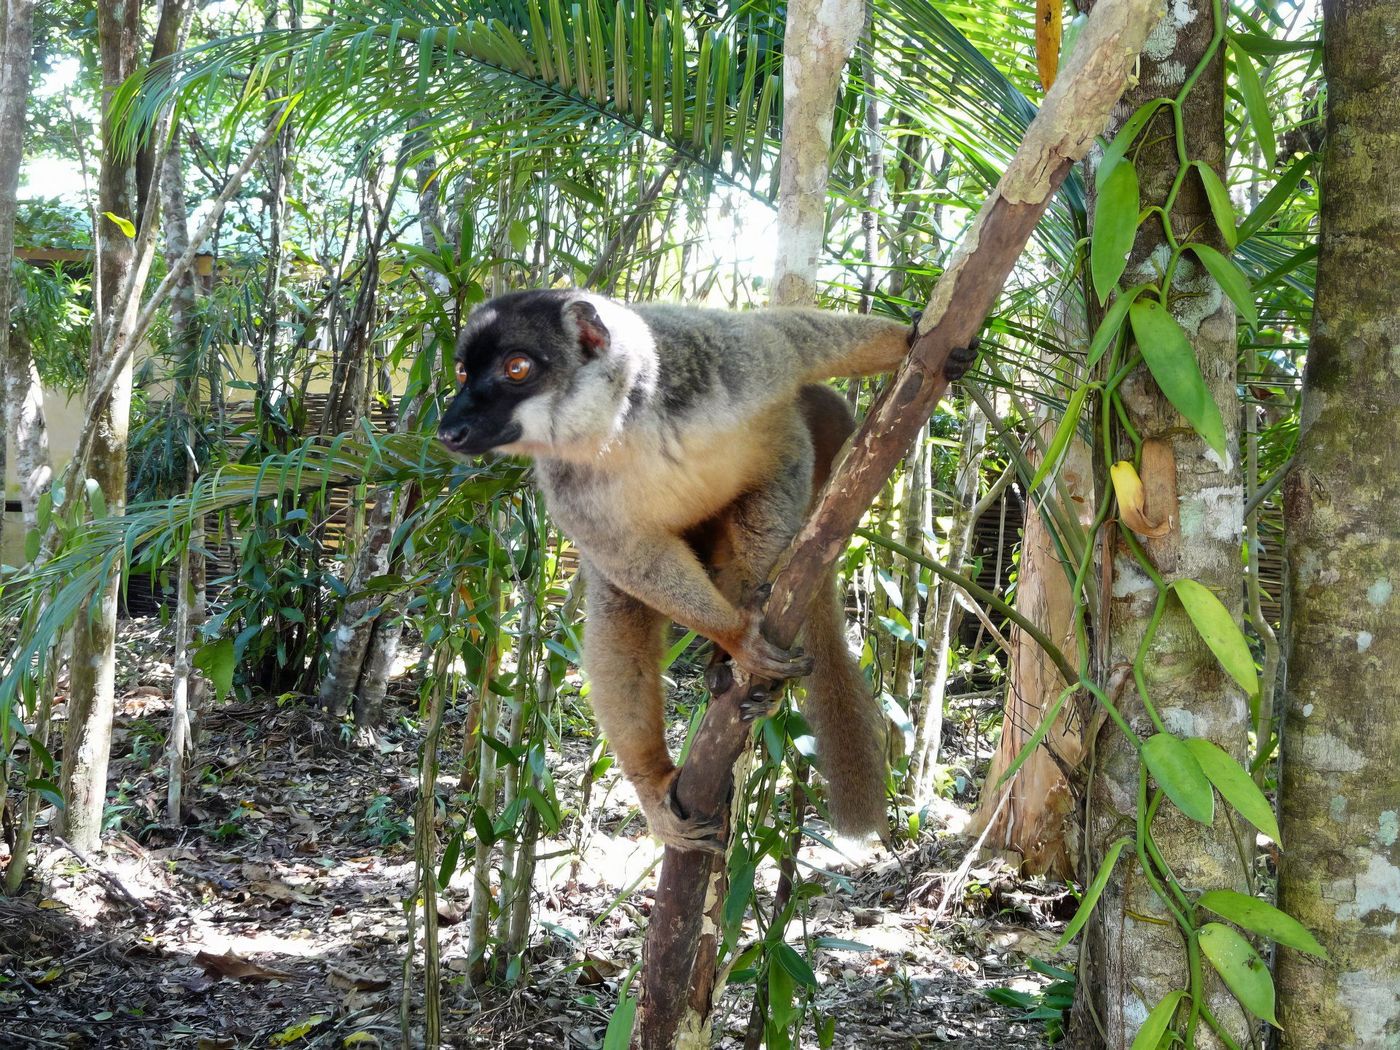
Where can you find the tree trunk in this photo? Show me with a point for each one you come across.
(186, 690)
(822, 32)
(1038, 821)
(1134, 954)
(1340, 874)
(92, 666)
(23, 417)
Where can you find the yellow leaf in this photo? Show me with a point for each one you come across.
(361, 1039)
(1049, 26)
(125, 225)
(50, 976)
(292, 1033)
(1132, 501)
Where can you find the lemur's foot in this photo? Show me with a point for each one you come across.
(670, 822)
(761, 702)
(960, 359)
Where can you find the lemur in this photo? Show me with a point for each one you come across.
(679, 449)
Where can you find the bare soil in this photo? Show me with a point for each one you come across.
(275, 916)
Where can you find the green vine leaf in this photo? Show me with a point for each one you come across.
(1231, 279)
(1116, 150)
(1235, 786)
(1152, 1030)
(1115, 224)
(1239, 965)
(1221, 209)
(1219, 631)
(1177, 773)
(1092, 894)
(1172, 361)
(1262, 918)
(1108, 328)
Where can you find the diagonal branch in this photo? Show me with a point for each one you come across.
(1074, 112)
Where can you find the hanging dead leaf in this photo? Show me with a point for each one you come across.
(236, 967)
(1132, 501)
(1049, 27)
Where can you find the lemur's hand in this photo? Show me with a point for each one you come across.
(761, 658)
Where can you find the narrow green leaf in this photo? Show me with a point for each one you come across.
(619, 1032)
(641, 33)
(1092, 894)
(1221, 208)
(1116, 150)
(539, 42)
(560, 41)
(1256, 104)
(1231, 279)
(1063, 433)
(582, 50)
(1111, 323)
(1177, 773)
(1239, 965)
(1172, 360)
(622, 75)
(658, 73)
(33, 540)
(215, 659)
(1276, 198)
(1218, 628)
(1152, 1030)
(1262, 918)
(678, 106)
(1236, 786)
(1115, 224)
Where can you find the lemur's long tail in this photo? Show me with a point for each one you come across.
(847, 721)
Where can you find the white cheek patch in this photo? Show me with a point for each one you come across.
(535, 416)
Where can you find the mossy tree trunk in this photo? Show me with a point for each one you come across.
(1340, 873)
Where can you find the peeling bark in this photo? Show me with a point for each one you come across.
(1340, 873)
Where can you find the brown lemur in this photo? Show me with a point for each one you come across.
(679, 449)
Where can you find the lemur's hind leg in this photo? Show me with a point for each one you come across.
(622, 650)
(755, 531)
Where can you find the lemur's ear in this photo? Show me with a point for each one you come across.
(593, 335)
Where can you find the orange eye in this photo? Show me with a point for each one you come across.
(517, 368)
(461, 374)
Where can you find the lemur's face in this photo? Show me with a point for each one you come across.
(522, 362)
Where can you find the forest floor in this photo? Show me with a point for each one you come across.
(276, 918)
